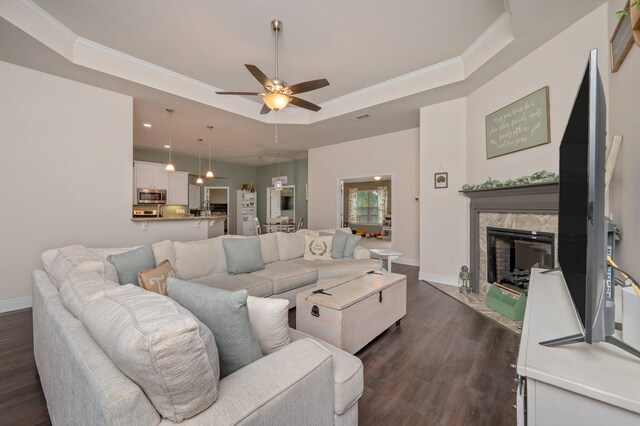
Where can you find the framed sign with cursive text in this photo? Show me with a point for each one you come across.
(520, 125)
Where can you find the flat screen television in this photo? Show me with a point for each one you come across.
(583, 233)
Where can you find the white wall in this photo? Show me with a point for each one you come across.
(559, 64)
(444, 213)
(66, 152)
(623, 110)
(395, 154)
(453, 133)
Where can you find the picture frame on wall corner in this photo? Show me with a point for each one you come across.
(441, 180)
(621, 40)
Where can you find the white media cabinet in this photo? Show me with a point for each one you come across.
(576, 384)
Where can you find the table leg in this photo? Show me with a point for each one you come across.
(389, 261)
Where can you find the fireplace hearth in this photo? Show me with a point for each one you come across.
(511, 253)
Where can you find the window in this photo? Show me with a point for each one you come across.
(367, 206)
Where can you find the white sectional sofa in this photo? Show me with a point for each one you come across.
(286, 273)
(306, 382)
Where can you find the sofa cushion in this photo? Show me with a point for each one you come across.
(288, 275)
(347, 374)
(159, 345)
(155, 279)
(242, 255)
(199, 258)
(226, 315)
(129, 263)
(255, 285)
(338, 243)
(317, 248)
(164, 250)
(79, 288)
(290, 246)
(338, 268)
(80, 258)
(269, 319)
(269, 248)
(352, 242)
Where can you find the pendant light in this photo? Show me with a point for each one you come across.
(169, 167)
(199, 181)
(278, 183)
(209, 174)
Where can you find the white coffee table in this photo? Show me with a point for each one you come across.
(351, 311)
(385, 254)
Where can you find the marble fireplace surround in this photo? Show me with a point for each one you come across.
(532, 207)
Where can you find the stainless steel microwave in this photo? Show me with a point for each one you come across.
(151, 196)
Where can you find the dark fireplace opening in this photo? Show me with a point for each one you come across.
(511, 253)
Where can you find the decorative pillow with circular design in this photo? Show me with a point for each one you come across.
(317, 248)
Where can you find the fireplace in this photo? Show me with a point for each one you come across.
(511, 253)
(533, 207)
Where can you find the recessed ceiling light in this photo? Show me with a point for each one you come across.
(147, 125)
(377, 177)
(167, 146)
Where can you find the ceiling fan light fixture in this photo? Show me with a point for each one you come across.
(276, 101)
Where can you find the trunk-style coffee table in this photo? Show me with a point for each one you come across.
(350, 312)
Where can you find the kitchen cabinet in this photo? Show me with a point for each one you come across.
(150, 175)
(178, 188)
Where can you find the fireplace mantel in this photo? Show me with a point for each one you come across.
(537, 198)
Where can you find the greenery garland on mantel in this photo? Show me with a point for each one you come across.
(538, 177)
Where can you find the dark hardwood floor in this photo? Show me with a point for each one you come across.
(444, 365)
(21, 398)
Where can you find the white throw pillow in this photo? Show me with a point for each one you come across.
(317, 248)
(79, 288)
(290, 246)
(160, 346)
(269, 319)
(79, 258)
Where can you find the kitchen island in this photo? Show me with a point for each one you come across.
(214, 223)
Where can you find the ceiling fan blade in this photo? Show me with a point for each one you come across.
(304, 104)
(238, 93)
(308, 86)
(265, 109)
(259, 75)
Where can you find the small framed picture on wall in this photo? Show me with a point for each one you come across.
(441, 180)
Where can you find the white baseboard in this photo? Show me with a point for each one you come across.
(438, 279)
(15, 304)
(407, 261)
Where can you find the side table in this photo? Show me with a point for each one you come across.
(385, 254)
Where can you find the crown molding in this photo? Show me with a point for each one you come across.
(35, 21)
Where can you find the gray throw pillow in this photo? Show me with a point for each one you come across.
(129, 263)
(352, 242)
(227, 316)
(339, 243)
(243, 255)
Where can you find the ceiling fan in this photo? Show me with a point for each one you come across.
(278, 94)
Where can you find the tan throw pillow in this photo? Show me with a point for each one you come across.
(155, 279)
(317, 248)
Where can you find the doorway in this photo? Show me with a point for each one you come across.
(281, 206)
(365, 207)
(218, 201)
